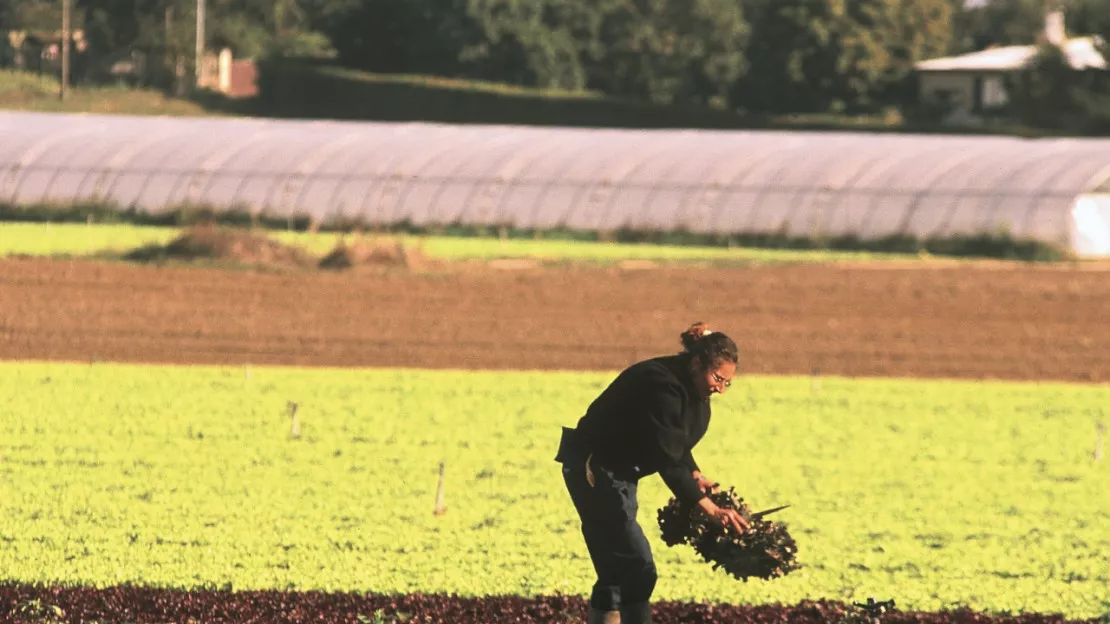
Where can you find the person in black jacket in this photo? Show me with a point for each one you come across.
(647, 421)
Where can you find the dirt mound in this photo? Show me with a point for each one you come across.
(221, 244)
(364, 253)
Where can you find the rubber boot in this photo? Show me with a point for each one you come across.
(639, 613)
(597, 616)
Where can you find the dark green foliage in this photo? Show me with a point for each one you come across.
(999, 23)
(107, 214)
(544, 43)
(394, 36)
(981, 245)
(766, 550)
(1051, 94)
(670, 51)
(761, 57)
(166, 29)
(42, 16)
(658, 50)
(1021, 22)
(320, 89)
(315, 90)
(827, 55)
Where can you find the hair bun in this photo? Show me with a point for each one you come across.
(693, 334)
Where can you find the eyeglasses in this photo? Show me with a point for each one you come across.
(721, 380)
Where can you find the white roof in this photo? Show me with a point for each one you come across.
(1082, 53)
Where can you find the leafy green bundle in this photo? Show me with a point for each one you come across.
(766, 550)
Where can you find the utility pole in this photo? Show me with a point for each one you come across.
(200, 40)
(66, 5)
(167, 49)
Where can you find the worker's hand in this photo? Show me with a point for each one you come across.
(705, 484)
(728, 518)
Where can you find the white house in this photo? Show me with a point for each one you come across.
(972, 84)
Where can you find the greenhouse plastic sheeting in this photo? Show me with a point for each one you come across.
(1091, 223)
(706, 181)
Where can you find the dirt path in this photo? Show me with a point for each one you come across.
(1016, 322)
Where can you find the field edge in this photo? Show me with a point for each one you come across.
(141, 605)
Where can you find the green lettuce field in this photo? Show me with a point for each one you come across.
(936, 494)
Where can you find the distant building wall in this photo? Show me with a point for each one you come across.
(236, 78)
(244, 79)
(968, 94)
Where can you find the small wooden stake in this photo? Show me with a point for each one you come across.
(295, 431)
(441, 507)
(1100, 428)
(815, 381)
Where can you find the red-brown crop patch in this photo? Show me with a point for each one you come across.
(159, 606)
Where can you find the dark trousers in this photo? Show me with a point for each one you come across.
(619, 550)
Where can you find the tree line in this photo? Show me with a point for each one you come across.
(756, 56)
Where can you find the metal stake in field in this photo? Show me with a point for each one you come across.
(441, 507)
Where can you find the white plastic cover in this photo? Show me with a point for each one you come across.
(708, 181)
(1091, 223)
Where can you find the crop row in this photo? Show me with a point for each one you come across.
(939, 495)
(135, 605)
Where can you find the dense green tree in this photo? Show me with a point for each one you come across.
(773, 56)
(36, 15)
(1044, 94)
(672, 50)
(664, 50)
(39, 18)
(1000, 23)
(255, 28)
(518, 41)
(1021, 22)
(923, 30)
(7, 22)
(545, 43)
(249, 27)
(397, 36)
(1051, 94)
(822, 55)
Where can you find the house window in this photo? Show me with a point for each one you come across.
(994, 92)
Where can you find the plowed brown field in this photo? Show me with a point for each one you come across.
(1005, 321)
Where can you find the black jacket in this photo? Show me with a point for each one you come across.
(648, 420)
